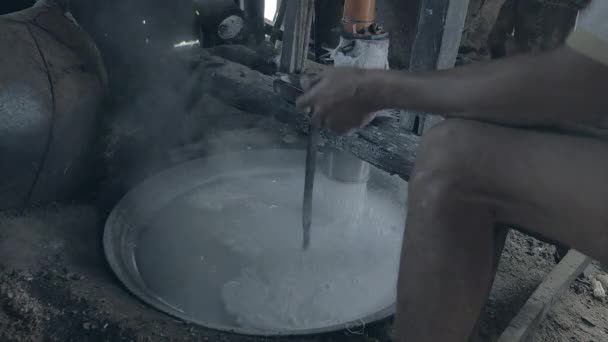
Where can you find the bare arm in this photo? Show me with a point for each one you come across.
(556, 87)
(559, 86)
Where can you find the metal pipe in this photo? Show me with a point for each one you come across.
(344, 167)
(358, 15)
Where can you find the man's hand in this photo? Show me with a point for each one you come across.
(520, 91)
(342, 99)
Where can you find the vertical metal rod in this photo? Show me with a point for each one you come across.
(309, 180)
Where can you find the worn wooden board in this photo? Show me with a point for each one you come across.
(384, 144)
(547, 293)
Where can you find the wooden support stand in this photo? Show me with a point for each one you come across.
(383, 144)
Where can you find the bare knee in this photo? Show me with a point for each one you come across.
(447, 158)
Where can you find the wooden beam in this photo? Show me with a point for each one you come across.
(547, 293)
(296, 35)
(383, 144)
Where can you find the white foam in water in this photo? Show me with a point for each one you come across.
(243, 239)
(344, 203)
(330, 284)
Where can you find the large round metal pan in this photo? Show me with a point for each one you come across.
(126, 229)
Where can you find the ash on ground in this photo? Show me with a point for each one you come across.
(56, 286)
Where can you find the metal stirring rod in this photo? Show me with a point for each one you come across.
(290, 88)
(311, 166)
(309, 180)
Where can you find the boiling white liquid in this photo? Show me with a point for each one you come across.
(231, 252)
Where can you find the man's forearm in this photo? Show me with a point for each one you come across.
(553, 88)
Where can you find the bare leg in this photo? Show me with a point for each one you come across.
(469, 178)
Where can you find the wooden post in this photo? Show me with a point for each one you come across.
(296, 35)
(452, 34)
(439, 31)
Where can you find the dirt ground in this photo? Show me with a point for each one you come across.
(56, 286)
(578, 315)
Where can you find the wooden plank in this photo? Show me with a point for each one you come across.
(547, 293)
(296, 35)
(384, 144)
